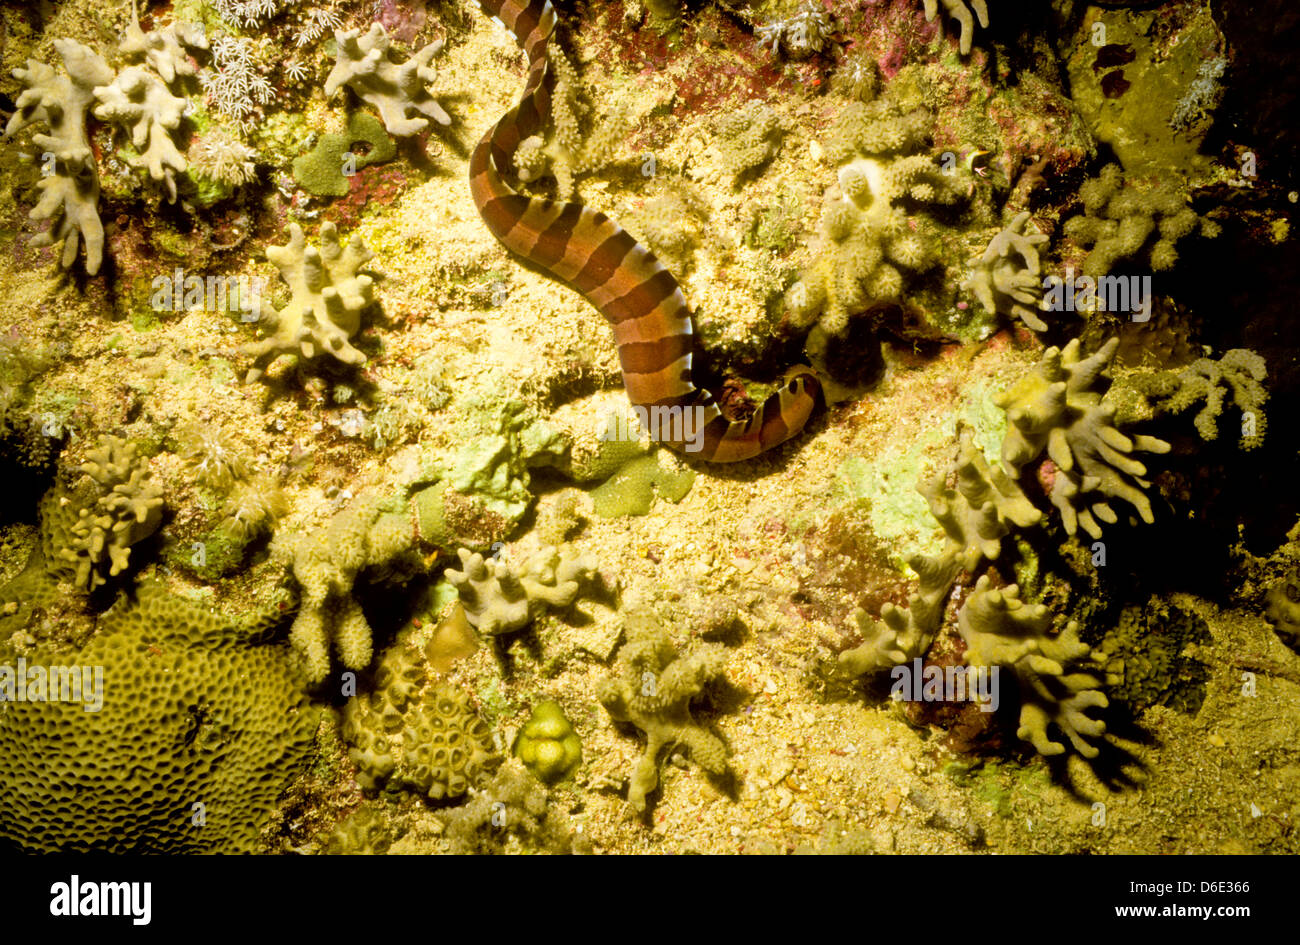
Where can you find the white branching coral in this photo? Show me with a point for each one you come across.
(328, 297)
(399, 91)
(70, 181)
(237, 86)
(500, 598)
(318, 21)
(246, 13)
(1057, 409)
(138, 101)
(958, 10)
(1006, 278)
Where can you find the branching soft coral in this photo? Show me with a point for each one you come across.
(399, 91)
(1057, 409)
(652, 687)
(70, 183)
(1002, 630)
(1121, 216)
(139, 101)
(499, 598)
(1007, 285)
(866, 235)
(328, 297)
(1239, 373)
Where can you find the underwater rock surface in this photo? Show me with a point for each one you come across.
(622, 427)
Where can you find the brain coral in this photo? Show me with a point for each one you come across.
(202, 726)
(89, 525)
(412, 732)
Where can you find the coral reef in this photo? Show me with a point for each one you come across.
(501, 597)
(1057, 409)
(328, 297)
(208, 759)
(89, 523)
(70, 181)
(1006, 278)
(1059, 677)
(398, 91)
(1121, 215)
(547, 744)
(652, 687)
(411, 731)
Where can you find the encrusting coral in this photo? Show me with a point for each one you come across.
(1121, 215)
(89, 524)
(958, 10)
(1057, 409)
(328, 297)
(70, 181)
(396, 90)
(1239, 373)
(652, 687)
(500, 597)
(201, 724)
(1059, 677)
(1005, 284)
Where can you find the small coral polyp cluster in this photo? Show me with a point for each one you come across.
(375, 560)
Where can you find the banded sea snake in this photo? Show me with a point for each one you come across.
(590, 253)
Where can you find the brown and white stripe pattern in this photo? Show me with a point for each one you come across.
(595, 256)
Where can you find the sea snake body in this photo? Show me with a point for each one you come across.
(593, 255)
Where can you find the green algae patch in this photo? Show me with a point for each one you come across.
(326, 168)
(632, 490)
(883, 486)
